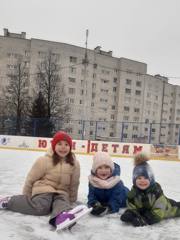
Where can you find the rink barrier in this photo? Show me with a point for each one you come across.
(116, 149)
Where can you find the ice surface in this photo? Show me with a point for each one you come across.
(14, 166)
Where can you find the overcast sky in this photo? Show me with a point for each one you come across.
(142, 30)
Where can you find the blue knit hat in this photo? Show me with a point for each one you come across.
(142, 168)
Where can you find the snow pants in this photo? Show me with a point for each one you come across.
(39, 205)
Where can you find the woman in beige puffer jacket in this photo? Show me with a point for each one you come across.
(52, 183)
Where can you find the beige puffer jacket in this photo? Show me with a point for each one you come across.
(45, 177)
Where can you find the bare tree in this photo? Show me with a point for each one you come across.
(16, 93)
(48, 80)
(3, 114)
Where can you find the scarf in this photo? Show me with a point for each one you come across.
(104, 184)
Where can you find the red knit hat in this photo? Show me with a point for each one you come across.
(61, 136)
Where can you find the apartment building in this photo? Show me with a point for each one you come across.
(112, 98)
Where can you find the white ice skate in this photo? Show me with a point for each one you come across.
(72, 216)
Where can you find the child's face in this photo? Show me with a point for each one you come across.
(103, 172)
(142, 182)
(62, 148)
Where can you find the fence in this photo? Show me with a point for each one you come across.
(155, 133)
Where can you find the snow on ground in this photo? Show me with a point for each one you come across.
(14, 166)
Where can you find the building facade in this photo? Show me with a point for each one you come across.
(112, 98)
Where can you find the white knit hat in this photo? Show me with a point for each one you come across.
(102, 158)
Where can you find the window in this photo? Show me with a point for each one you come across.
(178, 111)
(134, 136)
(135, 128)
(26, 64)
(95, 65)
(73, 59)
(126, 118)
(93, 95)
(93, 85)
(104, 80)
(104, 100)
(155, 105)
(84, 72)
(104, 90)
(114, 89)
(11, 66)
(71, 100)
(138, 93)
(137, 102)
(126, 109)
(137, 110)
(128, 81)
(138, 84)
(127, 90)
(136, 119)
(72, 70)
(148, 103)
(115, 80)
(153, 130)
(10, 54)
(27, 53)
(41, 54)
(56, 56)
(127, 99)
(69, 130)
(103, 108)
(72, 80)
(106, 72)
(71, 90)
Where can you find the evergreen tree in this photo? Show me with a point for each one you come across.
(40, 124)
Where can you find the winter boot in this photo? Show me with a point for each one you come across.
(4, 201)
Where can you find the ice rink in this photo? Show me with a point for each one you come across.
(14, 165)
